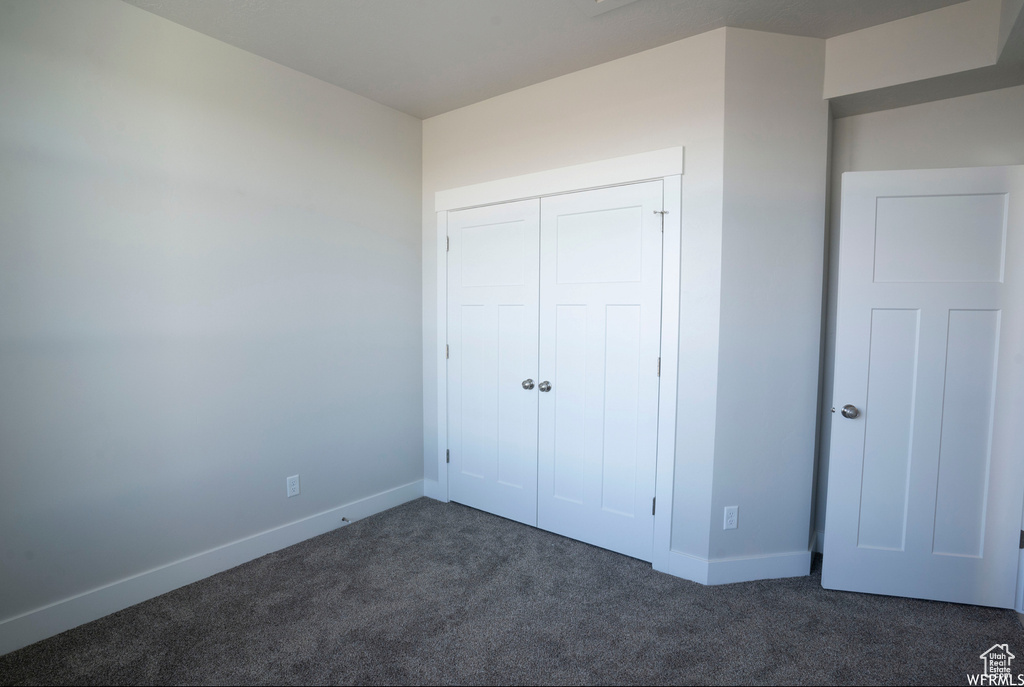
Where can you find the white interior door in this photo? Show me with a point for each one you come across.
(600, 321)
(926, 483)
(492, 337)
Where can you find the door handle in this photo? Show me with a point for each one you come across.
(528, 384)
(850, 411)
(545, 386)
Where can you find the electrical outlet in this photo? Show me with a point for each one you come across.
(293, 486)
(731, 518)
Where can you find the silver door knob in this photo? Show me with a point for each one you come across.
(850, 411)
(528, 384)
(545, 386)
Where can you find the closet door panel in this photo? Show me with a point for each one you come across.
(569, 403)
(492, 335)
(600, 323)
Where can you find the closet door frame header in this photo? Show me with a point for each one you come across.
(665, 164)
(630, 169)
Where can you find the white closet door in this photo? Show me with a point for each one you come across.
(925, 474)
(492, 337)
(600, 322)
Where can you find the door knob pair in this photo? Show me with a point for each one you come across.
(544, 386)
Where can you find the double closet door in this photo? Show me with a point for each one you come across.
(554, 322)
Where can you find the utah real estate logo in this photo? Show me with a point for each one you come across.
(997, 668)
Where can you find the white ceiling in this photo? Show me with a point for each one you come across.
(425, 57)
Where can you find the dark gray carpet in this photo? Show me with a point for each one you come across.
(443, 594)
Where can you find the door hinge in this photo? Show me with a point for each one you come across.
(446, 352)
(447, 243)
(654, 502)
(662, 213)
(447, 455)
(1022, 539)
(659, 367)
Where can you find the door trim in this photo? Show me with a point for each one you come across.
(667, 391)
(656, 164)
(439, 489)
(665, 164)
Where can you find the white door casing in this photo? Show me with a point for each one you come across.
(666, 165)
(600, 320)
(492, 340)
(926, 484)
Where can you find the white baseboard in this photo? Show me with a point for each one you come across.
(729, 570)
(687, 567)
(59, 616)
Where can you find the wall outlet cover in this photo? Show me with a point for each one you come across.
(731, 518)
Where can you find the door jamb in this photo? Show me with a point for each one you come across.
(441, 488)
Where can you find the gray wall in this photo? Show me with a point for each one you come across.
(209, 280)
(776, 144)
(970, 131)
